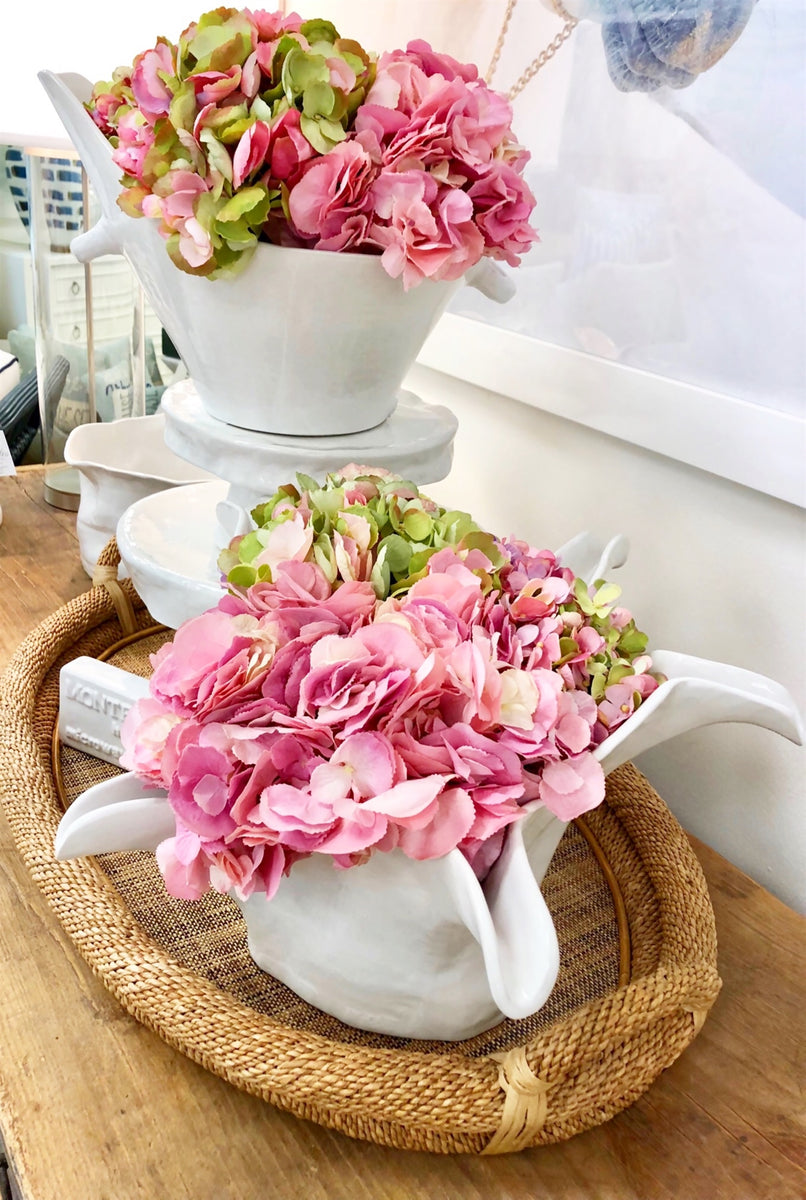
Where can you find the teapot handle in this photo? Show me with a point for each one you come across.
(489, 279)
(513, 926)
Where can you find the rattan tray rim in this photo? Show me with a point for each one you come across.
(387, 1095)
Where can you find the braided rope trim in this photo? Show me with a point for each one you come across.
(105, 575)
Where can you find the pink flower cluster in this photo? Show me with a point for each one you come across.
(430, 174)
(260, 126)
(320, 719)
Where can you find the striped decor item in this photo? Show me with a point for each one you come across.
(19, 408)
(61, 195)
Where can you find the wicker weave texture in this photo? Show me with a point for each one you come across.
(568, 1076)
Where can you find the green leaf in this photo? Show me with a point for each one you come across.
(232, 53)
(232, 133)
(252, 202)
(261, 111)
(477, 539)
(582, 597)
(417, 525)
(354, 102)
(328, 501)
(318, 99)
(217, 155)
(397, 553)
(353, 54)
(236, 235)
(226, 560)
(325, 558)
(221, 118)
(250, 546)
(131, 199)
(618, 672)
(632, 642)
(419, 559)
(606, 595)
(183, 109)
(242, 576)
(207, 40)
(319, 30)
(380, 577)
(455, 524)
(222, 39)
(301, 70)
(322, 134)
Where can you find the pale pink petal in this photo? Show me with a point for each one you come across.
(409, 798)
(188, 879)
(572, 787)
(362, 830)
(451, 823)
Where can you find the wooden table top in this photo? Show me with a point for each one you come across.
(93, 1106)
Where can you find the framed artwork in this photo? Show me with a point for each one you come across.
(666, 300)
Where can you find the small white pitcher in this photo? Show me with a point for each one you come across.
(120, 462)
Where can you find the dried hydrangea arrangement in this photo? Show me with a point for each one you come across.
(382, 674)
(261, 126)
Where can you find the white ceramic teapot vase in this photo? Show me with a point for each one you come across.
(422, 949)
(257, 345)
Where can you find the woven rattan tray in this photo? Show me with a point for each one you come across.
(638, 950)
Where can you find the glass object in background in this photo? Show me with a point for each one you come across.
(82, 315)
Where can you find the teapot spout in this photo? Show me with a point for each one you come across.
(698, 692)
(592, 558)
(68, 94)
(114, 815)
(514, 927)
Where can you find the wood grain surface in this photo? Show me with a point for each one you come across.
(95, 1107)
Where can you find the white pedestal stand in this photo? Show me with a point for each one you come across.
(169, 542)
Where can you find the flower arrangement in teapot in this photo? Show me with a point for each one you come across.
(260, 126)
(382, 674)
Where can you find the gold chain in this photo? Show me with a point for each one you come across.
(542, 58)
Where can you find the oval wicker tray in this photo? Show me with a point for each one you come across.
(638, 950)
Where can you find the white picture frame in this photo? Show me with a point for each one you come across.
(760, 448)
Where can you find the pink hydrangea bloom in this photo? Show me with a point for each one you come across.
(212, 87)
(332, 203)
(241, 101)
(621, 699)
(308, 715)
(150, 90)
(502, 204)
(427, 232)
(289, 149)
(135, 138)
(251, 152)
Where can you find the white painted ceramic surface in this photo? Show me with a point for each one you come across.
(416, 441)
(119, 463)
(300, 341)
(169, 543)
(169, 551)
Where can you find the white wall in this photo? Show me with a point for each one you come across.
(715, 570)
